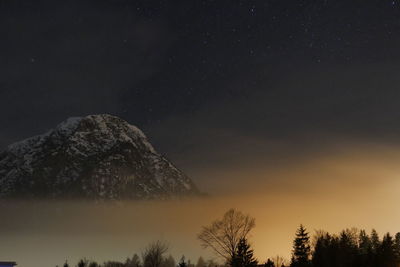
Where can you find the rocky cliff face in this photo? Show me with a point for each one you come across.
(96, 157)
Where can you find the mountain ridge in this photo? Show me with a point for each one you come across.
(97, 156)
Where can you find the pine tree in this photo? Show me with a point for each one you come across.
(386, 252)
(397, 246)
(348, 248)
(366, 255)
(301, 249)
(244, 255)
(66, 264)
(365, 244)
(375, 242)
(320, 254)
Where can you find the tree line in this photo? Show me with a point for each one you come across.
(154, 255)
(228, 237)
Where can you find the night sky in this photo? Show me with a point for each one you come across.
(287, 110)
(204, 79)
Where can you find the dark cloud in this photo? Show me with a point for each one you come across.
(297, 115)
(203, 76)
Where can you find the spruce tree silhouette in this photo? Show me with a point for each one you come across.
(348, 248)
(397, 246)
(366, 256)
(244, 255)
(364, 242)
(375, 242)
(386, 252)
(301, 249)
(322, 250)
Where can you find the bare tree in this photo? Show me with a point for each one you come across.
(223, 235)
(153, 254)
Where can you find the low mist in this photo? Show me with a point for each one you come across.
(327, 190)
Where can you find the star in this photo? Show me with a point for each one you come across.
(253, 10)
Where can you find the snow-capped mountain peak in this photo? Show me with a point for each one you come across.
(97, 156)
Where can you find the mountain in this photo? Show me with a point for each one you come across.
(95, 157)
